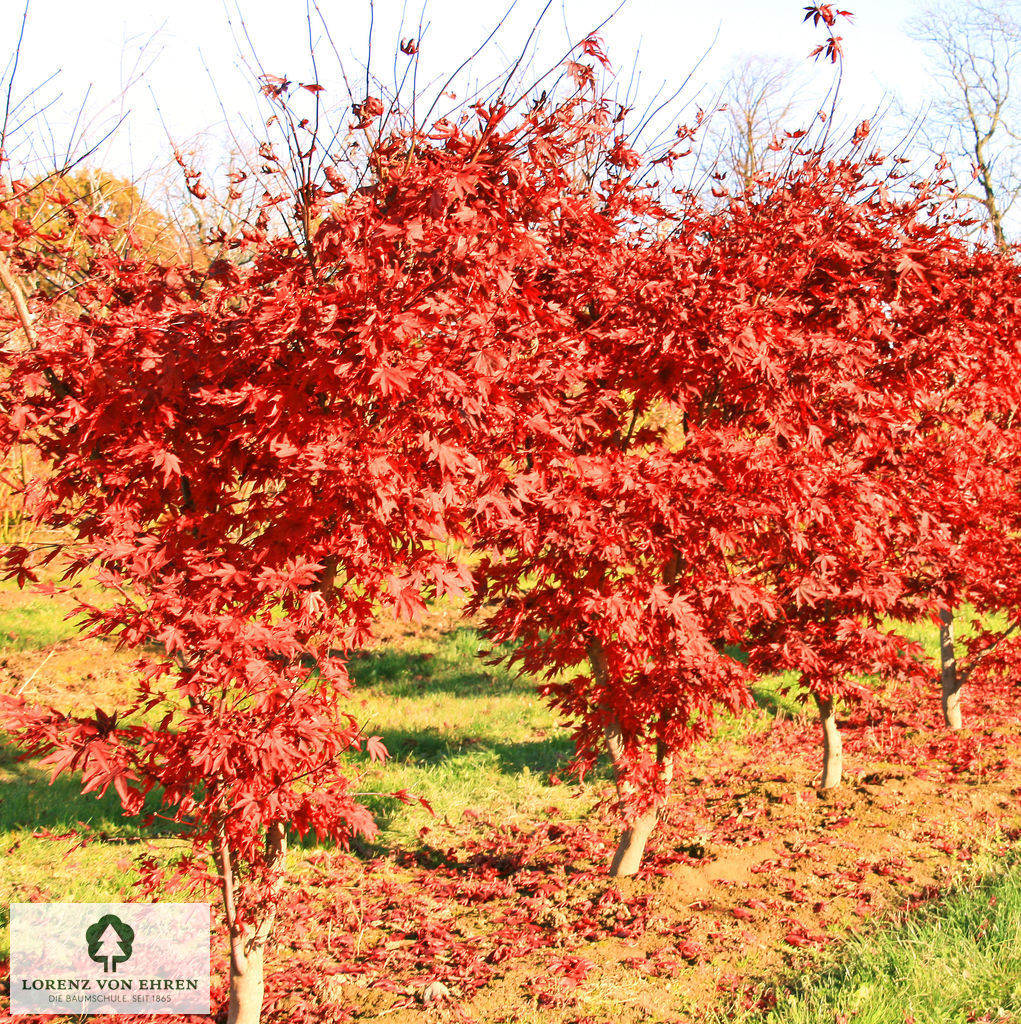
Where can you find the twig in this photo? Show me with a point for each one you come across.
(467, 61)
(10, 83)
(35, 672)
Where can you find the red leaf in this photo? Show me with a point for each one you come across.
(376, 749)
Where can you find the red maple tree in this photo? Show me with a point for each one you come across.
(254, 458)
(736, 501)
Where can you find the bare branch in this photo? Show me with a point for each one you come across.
(10, 81)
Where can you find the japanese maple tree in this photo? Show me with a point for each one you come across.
(881, 328)
(253, 458)
(965, 461)
(754, 381)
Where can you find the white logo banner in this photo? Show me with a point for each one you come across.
(73, 958)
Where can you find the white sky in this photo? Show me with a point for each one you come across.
(186, 46)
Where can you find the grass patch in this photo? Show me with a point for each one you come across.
(781, 695)
(60, 870)
(29, 801)
(954, 961)
(461, 734)
(30, 621)
(41, 828)
(36, 623)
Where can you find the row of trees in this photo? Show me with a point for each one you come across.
(674, 440)
(969, 122)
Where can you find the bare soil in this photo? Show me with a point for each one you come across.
(748, 877)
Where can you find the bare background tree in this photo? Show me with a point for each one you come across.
(761, 98)
(974, 49)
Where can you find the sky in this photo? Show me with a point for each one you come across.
(178, 69)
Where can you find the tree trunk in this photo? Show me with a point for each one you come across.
(832, 747)
(950, 681)
(248, 942)
(628, 856)
(246, 989)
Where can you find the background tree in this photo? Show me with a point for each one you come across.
(761, 99)
(974, 50)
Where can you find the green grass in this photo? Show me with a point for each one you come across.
(30, 621)
(36, 623)
(38, 866)
(29, 801)
(957, 960)
(461, 734)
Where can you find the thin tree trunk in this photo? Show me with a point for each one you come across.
(832, 747)
(17, 294)
(246, 989)
(14, 289)
(950, 680)
(627, 858)
(248, 942)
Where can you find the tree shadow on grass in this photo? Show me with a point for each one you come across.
(29, 802)
(457, 668)
(778, 704)
(433, 747)
(430, 749)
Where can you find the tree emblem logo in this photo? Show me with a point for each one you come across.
(109, 942)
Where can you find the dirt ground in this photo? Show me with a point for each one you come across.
(750, 874)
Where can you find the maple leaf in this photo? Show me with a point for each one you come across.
(169, 463)
(390, 378)
(583, 75)
(376, 749)
(592, 46)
